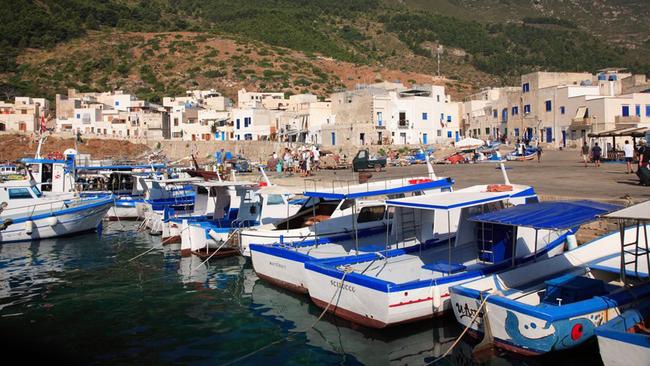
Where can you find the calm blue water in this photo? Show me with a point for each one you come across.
(80, 300)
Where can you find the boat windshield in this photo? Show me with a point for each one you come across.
(37, 192)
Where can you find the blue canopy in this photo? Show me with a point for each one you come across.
(555, 215)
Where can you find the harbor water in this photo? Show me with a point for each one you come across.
(85, 300)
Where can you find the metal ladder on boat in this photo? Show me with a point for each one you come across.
(409, 225)
(634, 250)
(485, 235)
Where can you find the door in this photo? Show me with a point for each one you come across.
(362, 138)
(549, 135)
(424, 138)
(564, 138)
(22, 126)
(333, 138)
(529, 133)
(457, 136)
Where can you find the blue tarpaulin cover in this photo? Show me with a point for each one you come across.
(554, 215)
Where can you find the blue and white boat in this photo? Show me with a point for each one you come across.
(359, 220)
(557, 303)
(28, 214)
(408, 284)
(164, 194)
(625, 340)
(231, 207)
(523, 153)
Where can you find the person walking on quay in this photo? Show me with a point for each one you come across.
(585, 153)
(539, 153)
(595, 154)
(628, 149)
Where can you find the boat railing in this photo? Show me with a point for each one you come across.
(48, 206)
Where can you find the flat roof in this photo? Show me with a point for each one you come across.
(449, 200)
(640, 211)
(381, 188)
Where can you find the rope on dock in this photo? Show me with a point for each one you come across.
(478, 311)
(346, 270)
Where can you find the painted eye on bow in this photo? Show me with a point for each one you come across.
(576, 332)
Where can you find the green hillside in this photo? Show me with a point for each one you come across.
(512, 37)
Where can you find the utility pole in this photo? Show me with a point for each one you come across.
(438, 53)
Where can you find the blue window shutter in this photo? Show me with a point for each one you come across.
(647, 110)
(517, 132)
(449, 134)
(448, 118)
(237, 127)
(78, 116)
(515, 111)
(549, 106)
(494, 113)
(625, 112)
(424, 116)
(562, 110)
(527, 108)
(442, 116)
(637, 110)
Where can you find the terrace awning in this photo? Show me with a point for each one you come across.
(556, 215)
(628, 131)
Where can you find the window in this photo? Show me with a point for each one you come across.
(448, 118)
(274, 199)
(516, 132)
(525, 87)
(424, 116)
(346, 204)
(78, 116)
(175, 121)
(562, 110)
(487, 130)
(515, 111)
(625, 112)
(527, 108)
(448, 134)
(439, 133)
(247, 121)
(438, 97)
(494, 113)
(379, 118)
(117, 103)
(647, 110)
(637, 110)
(19, 193)
(442, 116)
(549, 106)
(237, 123)
(37, 192)
(373, 213)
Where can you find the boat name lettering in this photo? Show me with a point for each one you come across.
(343, 286)
(466, 311)
(279, 265)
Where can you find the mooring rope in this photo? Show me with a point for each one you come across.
(346, 270)
(478, 311)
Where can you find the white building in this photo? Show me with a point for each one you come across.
(23, 115)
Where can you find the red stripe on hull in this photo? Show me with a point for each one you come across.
(285, 285)
(366, 321)
(515, 349)
(415, 301)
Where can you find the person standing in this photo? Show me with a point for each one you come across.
(628, 149)
(585, 153)
(539, 153)
(644, 153)
(595, 154)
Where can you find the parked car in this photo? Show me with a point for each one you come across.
(363, 160)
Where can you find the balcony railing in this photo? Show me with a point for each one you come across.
(403, 124)
(627, 119)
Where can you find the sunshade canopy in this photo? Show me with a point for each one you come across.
(449, 200)
(554, 215)
(395, 186)
(640, 211)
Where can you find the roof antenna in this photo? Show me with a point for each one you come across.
(432, 174)
(266, 178)
(503, 168)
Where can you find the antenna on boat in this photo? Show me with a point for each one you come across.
(432, 174)
(266, 178)
(40, 145)
(503, 169)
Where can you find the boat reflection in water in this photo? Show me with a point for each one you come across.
(412, 344)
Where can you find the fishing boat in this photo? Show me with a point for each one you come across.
(357, 224)
(28, 214)
(333, 212)
(556, 304)
(409, 284)
(237, 205)
(528, 153)
(164, 194)
(625, 340)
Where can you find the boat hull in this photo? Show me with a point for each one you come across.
(60, 223)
